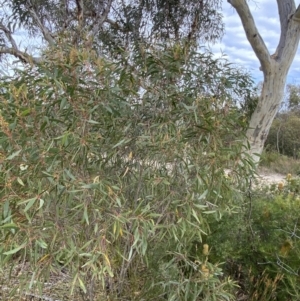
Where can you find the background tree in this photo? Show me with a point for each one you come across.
(109, 27)
(274, 67)
(293, 97)
(284, 136)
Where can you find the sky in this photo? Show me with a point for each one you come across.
(236, 46)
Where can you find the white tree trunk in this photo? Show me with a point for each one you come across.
(267, 108)
(274, 67)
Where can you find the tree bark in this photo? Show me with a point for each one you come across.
(274, 67)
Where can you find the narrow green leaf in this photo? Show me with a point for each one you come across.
(19, 180)
(42, 243)
(9, 226)
(90, 186)
(25, 112)
(123, 141)
(209, 212)
(85, 215)
(13, 155)
(81, 284)
(41, 203)
(30, 204)
(26, 201)
(14, 251)
(93, 121)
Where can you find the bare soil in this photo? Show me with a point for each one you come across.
(267, 177)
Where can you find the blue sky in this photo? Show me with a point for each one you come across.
(236, 46)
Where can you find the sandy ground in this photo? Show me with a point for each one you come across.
(268, 178)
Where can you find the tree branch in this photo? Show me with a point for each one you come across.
(46, 33)
(285, 9)
(79, 4)
(8, 34)
(24, 57)
(252, 33)
(289, 40)
(14, 50)
(102, 19)
(115, 25)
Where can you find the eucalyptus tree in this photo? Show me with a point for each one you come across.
(275, 67)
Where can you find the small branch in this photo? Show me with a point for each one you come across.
(102, 19)
(115, 25)
(8, 34)
(79, 4)
(14, 50)
(46, 33)
(252, 33)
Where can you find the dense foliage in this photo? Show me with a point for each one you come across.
(109, 172)
(262, 243)
(128, 20)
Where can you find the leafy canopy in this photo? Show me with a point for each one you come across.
(111, 27)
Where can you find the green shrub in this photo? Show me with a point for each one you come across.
(262, 247)
(110, 171)
(269, 158)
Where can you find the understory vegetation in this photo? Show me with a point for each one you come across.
(113, 183)
(283, 142)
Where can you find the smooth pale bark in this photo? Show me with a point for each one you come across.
(274, 67)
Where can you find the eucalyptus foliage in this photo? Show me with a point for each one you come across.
(165, 18)
(109, 26)
(109, 172)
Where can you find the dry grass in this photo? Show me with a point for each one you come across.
(58, 287)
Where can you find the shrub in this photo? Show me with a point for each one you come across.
(283, 136)
(110, 171)
(262, 247)
(279, 163)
